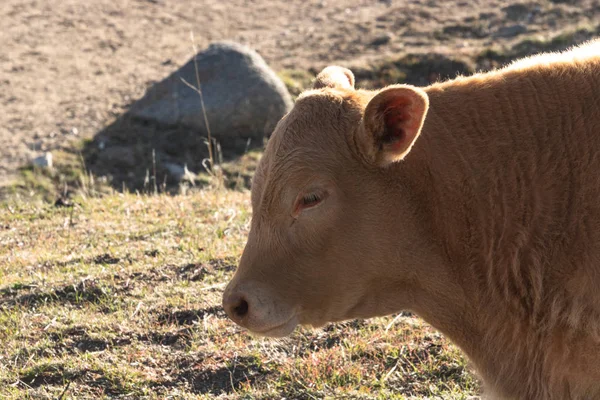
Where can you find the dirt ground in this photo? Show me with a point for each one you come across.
(69, 68)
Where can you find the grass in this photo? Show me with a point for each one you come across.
(119, 297)
(67, 174)
(296, 80)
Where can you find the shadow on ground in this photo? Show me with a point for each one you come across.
(215, 378)
(80, 294)
(140, 155)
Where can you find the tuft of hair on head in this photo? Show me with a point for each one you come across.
(334, 77)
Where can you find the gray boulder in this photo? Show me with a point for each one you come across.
(511, 31)
(243, 97)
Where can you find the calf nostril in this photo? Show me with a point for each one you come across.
(241, 309)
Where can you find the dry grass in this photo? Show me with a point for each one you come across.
(119, 297)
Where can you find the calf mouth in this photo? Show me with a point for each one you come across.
(280, 330)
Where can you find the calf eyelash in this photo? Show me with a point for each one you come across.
(307, 201)
(311, 200)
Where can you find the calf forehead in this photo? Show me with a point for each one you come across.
(314, 118)
(310, 136)
(321, 120)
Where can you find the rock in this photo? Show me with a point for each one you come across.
(511, 31)
(242, 96)
(487, 15)
(517, 12)
(43, 161)
(465, 31)
(63, 202)
(382, 39)
(177, 171)
(180, 173)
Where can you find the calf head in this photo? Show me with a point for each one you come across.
(330, 239)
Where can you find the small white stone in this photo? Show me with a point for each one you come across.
(180, 173)
(43, 161)
(177, 171)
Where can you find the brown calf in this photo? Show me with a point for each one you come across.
(474, 203)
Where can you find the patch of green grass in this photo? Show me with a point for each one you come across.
(120, 296)
(70, 181)
(378, 75)
(296, 80)
(415, 69)
(66, 177)
(497, 56)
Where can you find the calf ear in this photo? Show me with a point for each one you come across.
(334, 77)
(392, 122)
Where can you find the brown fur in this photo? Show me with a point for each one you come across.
(489, 229)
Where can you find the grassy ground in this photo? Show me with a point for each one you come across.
(119, 297)
(108, 295)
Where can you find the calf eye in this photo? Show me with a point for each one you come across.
(310, 200)
(307, 200)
